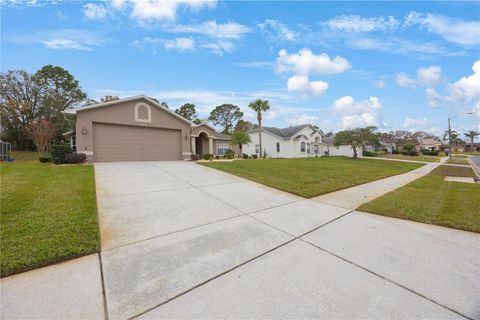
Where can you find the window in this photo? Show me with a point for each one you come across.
(278, 146)
(257, 149)
(73, 142)
(143, 113)
(315, 148)
(308, 147)
(302, 147)
(222, 147)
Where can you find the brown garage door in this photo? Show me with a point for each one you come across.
(130, 143)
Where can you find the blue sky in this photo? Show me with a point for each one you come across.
(396, 65)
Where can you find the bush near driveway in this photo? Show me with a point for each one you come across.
(310, 177)
(48, 214)
(434, 201)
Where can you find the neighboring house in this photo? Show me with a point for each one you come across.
(139, 128)
(430, 144)
(468, 147)
(382, 146)
(402, 142)
(332, 150)
(292, 142)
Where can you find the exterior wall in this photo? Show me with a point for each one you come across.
(289, 148)
(334, 151)
(124, 113)
(203, 128)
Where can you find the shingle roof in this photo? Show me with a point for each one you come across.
(285, 132)
(223, 136)
(328, 139)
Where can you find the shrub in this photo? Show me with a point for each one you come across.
(245, 156)
(408, 147)
(395, 151)
(410, 153)
(207, 156)
(75, 158)
(254, 156)
(371, 153)
(58, 152)
(45, 159)
(196, 157)
(229, 154)
(430, 153)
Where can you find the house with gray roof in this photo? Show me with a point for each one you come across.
(292, 142)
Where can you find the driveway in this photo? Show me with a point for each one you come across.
(180, 240)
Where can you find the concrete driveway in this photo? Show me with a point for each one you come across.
(180, 240)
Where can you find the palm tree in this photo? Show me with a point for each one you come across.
(472, 135)
(259, 106)
(240, 137)
(454, 135)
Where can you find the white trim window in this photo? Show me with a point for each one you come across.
(308, 148)
(222, 147)
(278, 146)
(73, 142)
(143, 113)
(257, 148)
(302, 147)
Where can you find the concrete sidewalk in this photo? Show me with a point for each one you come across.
(354, 197)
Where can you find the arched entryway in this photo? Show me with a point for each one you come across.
(201, 144)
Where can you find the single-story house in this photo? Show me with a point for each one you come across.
(430, 144)
(137, 129)
(291, 142)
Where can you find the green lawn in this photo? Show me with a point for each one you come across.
(311, 177)
(413, 158)
(432, 200)
(25, 155)
(48, 214)
(458, 160)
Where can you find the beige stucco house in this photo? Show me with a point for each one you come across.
(137, 129)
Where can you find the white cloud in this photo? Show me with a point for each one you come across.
(380, 84)
(303, 118)
(277, 30)
(356, 114)
(426, 76)
(229, 30)
(451, 29)
(430, 76)
(146, 10)
(94, 11)
(255, 64)
(465, 90)
(63, 39)
(65, 44)
(394, 45)
(421, 124)
(219, 48)
(302, 84)
(305, 62)
(404, 80)
(434, 99)
(355, 23)
(180, 44)
(417, 124)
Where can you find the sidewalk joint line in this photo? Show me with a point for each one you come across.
(386, 279)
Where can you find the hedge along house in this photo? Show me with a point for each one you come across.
(139, 129)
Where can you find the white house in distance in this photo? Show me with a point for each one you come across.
(293, 142)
